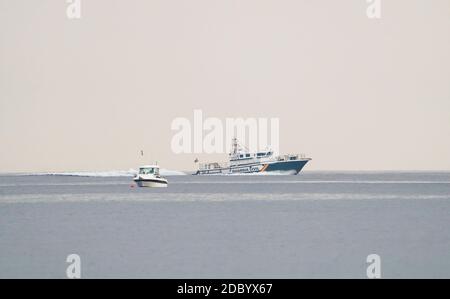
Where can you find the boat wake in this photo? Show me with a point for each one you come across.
(106, 174)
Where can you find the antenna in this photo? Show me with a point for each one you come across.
(234, 146)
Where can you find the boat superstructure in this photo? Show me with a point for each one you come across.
(242, 161)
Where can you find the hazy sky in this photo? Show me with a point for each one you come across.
(351, 92)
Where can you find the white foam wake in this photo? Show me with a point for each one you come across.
(112, 173)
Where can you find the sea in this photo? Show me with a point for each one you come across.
(314, 225)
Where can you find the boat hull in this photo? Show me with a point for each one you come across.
(151, 183)
(291, 167)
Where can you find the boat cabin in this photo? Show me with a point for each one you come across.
(247, 156)
(149, 170)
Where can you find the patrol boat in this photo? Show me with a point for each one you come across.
(242, 161)
(148, 176)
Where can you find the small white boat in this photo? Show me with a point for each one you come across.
(148, 176)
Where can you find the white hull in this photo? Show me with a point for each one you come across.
(151, 182)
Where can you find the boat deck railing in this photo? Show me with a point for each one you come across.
(290, 157)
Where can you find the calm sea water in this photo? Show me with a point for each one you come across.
(317, 224)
